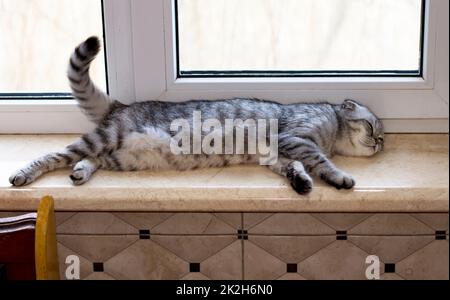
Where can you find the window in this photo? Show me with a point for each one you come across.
(299, 37)
(391, 55)
(38, 37)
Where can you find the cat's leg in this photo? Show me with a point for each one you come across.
(42, 165)
(83, 170)
(68, 157)
(295, 172)
(315, 162)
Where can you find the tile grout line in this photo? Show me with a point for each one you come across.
(153, 234)
(170, 251)
(423, 247)
(321, 221)
(257, 223)
(104, 262)
(67, 220)
(77, 254)
(418, 219)
(225, 221)
(242, 249)
(209, 223)
(314, 253)
(229, 245)
(360, 222)
(72, 251)
(107, 259)
(331, 235)
(115, 214)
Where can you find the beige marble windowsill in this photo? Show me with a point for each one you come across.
(410, 176)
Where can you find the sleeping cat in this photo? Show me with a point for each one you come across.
(137, 137)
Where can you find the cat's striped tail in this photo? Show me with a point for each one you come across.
(92, 101)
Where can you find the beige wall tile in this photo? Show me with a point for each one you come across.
(341, 222)
(430, 262)
(261, 265)
(194, 249)
(391, 249)
(292, 224)
(340, 260)
(232, 219)
(97, 248)
(438, 222)
(195, 276)
(291, 276)
(61, 217)
(274, 241)
(86, 267)
(390, 276)
(95, 223)
(144, 221)
(146, 260)
(391, 224)
(99, 276)
(193, 223)
(226, 264)
(292, 249)
(253, 219)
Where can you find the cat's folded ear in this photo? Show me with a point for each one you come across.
(349, 105)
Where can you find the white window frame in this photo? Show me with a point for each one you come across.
(140, 44)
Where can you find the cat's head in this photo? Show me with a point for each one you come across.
(363, 133)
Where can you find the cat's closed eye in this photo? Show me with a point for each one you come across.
(369, 127)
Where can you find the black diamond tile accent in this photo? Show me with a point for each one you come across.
(389, 268)
(441, 235)
(98, 267)
(144, 234)
(341, 235)
(291, 268)
(242, 234)
(194, 268)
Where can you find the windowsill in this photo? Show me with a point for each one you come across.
(410, 176)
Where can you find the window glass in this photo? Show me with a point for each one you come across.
(37, 39)
(305, 36)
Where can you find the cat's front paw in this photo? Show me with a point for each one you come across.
(79, 176)
(21, 178)
(300, 181)
(339, 180)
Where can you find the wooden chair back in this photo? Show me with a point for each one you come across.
(28, 249)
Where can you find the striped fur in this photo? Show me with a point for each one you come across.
(92, 101)
(138, 136)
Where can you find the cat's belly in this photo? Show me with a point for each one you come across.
(151, 151)
(142, 160)
(159, 160)
(145, 151)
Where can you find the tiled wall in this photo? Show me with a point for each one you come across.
(253, 245)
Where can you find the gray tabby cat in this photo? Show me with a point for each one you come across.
(136, 137)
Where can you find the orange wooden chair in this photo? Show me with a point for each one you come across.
(28, 248)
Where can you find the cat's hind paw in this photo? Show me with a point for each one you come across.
(80, 176)
(20, 178)
(83, 171)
